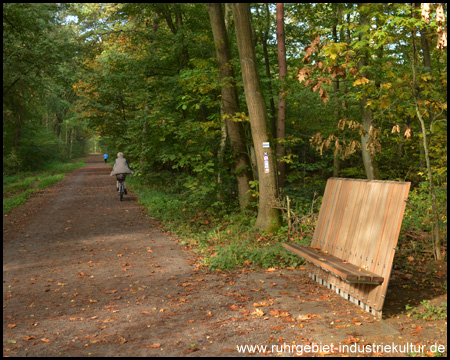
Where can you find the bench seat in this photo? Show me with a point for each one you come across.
(348, 272)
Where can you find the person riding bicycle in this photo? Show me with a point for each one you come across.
(121, 167)
(105, 157)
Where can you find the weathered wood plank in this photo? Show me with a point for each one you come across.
(335, 265)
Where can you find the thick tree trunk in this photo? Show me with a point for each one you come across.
(268, 217)
(230, 105)
(281, 119)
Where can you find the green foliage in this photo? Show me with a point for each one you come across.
(39, 59)
(49, 181)
(418, 213)
(238, 255)
(16, 200)
(427, 311)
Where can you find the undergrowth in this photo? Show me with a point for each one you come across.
(427, 311)
(224, 238)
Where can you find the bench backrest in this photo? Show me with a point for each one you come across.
(359, 222)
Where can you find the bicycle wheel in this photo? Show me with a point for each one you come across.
(121, 192)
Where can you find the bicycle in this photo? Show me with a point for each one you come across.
(121, 179)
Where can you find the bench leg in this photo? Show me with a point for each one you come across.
(377, 313)
(347, 296)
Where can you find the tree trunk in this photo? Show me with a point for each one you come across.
(434, 209)
(281, 119)
(18, 127)
(268, 217)
(264, 37)
(230, 105)
(370, 164)
(337, 112)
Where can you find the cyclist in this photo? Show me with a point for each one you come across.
(121, 167)
(105, 157)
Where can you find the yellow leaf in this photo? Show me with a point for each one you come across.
(361, 81)
(258, 312)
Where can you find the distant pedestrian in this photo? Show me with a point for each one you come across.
(105, 157)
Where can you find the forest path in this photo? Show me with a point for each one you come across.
(87, 275)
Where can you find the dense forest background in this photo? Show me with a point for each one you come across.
(348, 90)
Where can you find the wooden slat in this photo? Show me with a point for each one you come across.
(332, 216)
(335, 265)
(332, 245)
(323, 213)
(356, 223)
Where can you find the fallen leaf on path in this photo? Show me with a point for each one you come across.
(258, 312)
(10, 326)
(45, 340)
(262, 303)
(154, 346)
(277, 328)
(351, 340)
(26, 338)
(188, 351)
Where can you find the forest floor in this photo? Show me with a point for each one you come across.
(87, 275)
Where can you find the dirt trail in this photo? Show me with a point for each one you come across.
(87, 275)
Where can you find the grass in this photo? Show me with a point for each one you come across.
(18, 188)
(428, 311)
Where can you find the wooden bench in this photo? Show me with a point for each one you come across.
(355, 239)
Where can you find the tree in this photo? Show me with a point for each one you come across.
(230, 104)
(40, 54)
(281, 118)
(268, 217)
(370, 164)
(421, 112)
